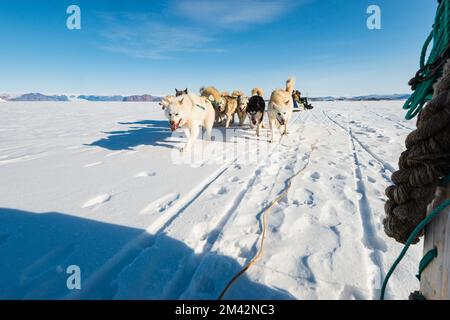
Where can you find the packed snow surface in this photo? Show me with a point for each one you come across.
(103, 186)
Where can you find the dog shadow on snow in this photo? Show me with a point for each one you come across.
(36, 250)
(145, 132)
(157, 133)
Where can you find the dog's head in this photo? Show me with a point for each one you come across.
(219, 104)
(254, 116)
(242, 103)
(177, 114)
(281, 113)
(255, 109)
(179, 93)
(164, 103)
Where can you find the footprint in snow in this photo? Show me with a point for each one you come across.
(221, 191)
(303, 197)
(233, 179)
(371, 180)
(315, 176)
(340, 177)
(100, 199)
(161, 204)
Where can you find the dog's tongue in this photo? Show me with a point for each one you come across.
(173, 125)
(254, 122)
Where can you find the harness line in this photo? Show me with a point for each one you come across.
(265, 212)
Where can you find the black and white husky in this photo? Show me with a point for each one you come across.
(255, 110)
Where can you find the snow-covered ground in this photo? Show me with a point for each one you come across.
(103, 186)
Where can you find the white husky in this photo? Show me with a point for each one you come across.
(189, 112)
(280, 108)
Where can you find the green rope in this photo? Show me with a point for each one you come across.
(440, 35)
(410, 240)
(426, 260)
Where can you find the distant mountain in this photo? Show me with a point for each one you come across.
(101, 98)
(94, 98)
(327, 98)
(375, 97)
(372, 97)
(141, 98)
(39, 97)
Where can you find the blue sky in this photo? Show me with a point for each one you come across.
(135, 47)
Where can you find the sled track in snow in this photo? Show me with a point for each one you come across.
(106, 275)
(371, 240)
(372, 243)
(384, 164)
(216, 231)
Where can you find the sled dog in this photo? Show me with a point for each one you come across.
(231, 104)
(255, 110)
(217, 101)
(280, 109)
(242, 102)
(189, 112)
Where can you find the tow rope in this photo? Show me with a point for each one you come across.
(264, 214)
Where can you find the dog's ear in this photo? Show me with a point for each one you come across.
(185, 91)
(211, 97)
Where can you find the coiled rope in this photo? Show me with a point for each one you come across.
(425, 164)
(426, 160)
(423, 167)
(429, 72)
(264, 214)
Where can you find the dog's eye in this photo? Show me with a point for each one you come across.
(170, 114)
(279, 113)
(177, 114)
